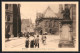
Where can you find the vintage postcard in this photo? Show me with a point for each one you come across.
(40, 26)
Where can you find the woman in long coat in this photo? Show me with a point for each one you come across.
(27, 42)
(32, 41)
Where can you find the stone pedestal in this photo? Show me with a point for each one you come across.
(65, 34)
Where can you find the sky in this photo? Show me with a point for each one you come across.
(29, 10)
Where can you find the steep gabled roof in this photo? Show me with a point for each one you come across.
(49, 13)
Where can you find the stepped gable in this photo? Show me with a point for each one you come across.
(49, 13)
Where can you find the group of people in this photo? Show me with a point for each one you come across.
(32, 41)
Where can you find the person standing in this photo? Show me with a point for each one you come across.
(44, 39)
(32, 42)
(37, 41)
(27, 42)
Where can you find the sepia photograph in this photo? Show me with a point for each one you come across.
(40, 26)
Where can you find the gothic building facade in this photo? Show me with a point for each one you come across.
(12, 20)
(47, 22)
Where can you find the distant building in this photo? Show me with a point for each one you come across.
(47, 22)
(27, 26)
(12, 19)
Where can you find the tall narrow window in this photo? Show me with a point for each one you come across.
(6, 6)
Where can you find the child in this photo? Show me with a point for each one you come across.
(44, 39)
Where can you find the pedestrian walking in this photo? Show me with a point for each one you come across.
(37, 41)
